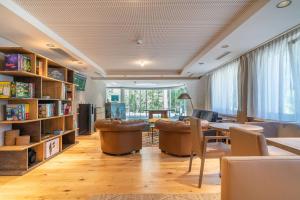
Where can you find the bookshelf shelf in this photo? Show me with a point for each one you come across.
(60, 93)
(32, 120)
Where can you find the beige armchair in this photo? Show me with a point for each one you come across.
(202, 148)
(249, 143)
(260, 178)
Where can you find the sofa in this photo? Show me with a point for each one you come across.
(279, 129)
(120, 137)
(260, 178)
(174, 137)
(203, 114)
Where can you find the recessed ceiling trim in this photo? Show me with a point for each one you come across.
(146, 78)
(19, 11)
(143, 72)
(229, 29)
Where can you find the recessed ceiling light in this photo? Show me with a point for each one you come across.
(283, 4)
(201, 63)
(225, 46)
(139, 42)
(50, 45)
(142, 63)
(80, 63)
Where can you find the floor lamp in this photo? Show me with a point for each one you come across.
(186, 96)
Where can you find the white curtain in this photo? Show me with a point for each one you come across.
(224, 89)
(274, 79)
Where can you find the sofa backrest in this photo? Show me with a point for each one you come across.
(289, 130)
(260, 178)
(270, 128)
(205, 115)
(279, 129)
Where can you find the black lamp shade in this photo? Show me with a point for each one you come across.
(184, 96)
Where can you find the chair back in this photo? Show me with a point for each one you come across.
(197, 136)
(247, 143)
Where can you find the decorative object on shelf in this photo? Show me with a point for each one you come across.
(79, 81)
(186, 96)
(46, 110)
(17, 62)
(67, 108)
(22, 90)
(23, 140)
(58, 132)
(31, 156)
(51, 147)
(10, 137)
(15, 112)
(56, 73)
(39, 67)
(46, 97)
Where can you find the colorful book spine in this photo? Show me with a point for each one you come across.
(22, 90)
(17, 62)
(4, 89)
(46, 110)
(17, 112)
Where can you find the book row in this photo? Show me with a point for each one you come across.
(16, 90)
(17, 112)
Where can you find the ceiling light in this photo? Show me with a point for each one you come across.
(80, 63)
(50, 45)
(201, 63)
(283, 4)
(225, 46)
(139, 42)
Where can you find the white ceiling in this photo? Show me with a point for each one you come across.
(173, 31)
(176, 34)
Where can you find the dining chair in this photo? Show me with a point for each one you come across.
(202, 148)
(250, 143)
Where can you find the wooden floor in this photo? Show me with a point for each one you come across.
(83, 171)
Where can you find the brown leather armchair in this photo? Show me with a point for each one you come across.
(174, 137)
(120, 137)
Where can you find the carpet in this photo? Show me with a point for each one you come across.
(157, 197)
(147, 139)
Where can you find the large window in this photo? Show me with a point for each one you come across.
(224, 89)
(138, 101)
(274, 74)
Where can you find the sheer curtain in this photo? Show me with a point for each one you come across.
(224, 88)
(273, 82)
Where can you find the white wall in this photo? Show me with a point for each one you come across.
(94, 93)
(196, 89)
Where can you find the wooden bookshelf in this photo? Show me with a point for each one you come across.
(14, 159)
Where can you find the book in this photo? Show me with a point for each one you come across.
(46, 110)
(22, 90)
(56, 73)
(60, 108)
(4, 89)
(39, 67)
(17, 62)
(17, 112)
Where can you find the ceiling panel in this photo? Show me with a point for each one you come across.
(173, 31)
